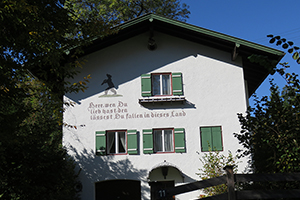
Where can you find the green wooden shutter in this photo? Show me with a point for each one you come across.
(148, 141)
(146, 85)
(100, 143)
(179, 138)
(132, 143)
(177, 83)
(216, 138)
(206, 140)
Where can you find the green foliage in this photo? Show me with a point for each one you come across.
(123, 10)
(36, 35)
(213, 164)
(43, 39)
(272, 127)
(288, 45)
(264, 61)
(34, 165)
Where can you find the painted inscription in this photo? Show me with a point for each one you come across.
(119, 110)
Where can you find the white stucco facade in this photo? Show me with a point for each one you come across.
(213, 87)
(157, 139)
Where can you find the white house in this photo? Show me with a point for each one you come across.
(161, 91)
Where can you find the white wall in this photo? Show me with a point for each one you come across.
(213, 86)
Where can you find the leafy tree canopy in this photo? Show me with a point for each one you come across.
(36, 37)
(123, 10)
(34, 165)
(213, 166)
(270, 130)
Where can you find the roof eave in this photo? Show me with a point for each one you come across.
(195, 34)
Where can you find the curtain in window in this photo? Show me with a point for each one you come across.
(156, 84)
(122, 142)
(168, 135)
(158, 140)
(111, 142)
(166, 87)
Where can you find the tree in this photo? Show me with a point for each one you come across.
(124, 10)
(37, 35)
(40, 42)
(272, 126)
(34, 165)
(270, 130)
(288, 45)
(270, 133)
(34, 36)
(213, 164)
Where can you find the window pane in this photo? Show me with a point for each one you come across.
(168, 140)
(166, 86)
(122, 142)
(156, 84)
(111, 142)
(158, 140)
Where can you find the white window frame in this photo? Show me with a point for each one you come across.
(161, 84)
(116, 142)
(163, 141)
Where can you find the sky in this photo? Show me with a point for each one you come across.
(251, 20)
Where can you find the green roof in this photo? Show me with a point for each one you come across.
(199, 30)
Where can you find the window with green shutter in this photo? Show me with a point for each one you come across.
(177, 84)
(132, 144)
(100, 143)
(164, 140)
(147, 141)
(179, 136)
(116, 142)
(211, 138)
(146, 85)
(161, 84)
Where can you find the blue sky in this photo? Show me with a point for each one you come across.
(251, 20)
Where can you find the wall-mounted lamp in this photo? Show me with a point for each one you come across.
(164, 171)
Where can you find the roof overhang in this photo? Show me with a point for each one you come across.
(253, 73)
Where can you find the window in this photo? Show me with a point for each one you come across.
(116, 142)
(164, 140)
(211, 138)
(161, 84)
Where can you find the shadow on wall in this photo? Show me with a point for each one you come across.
(100, 168)
(126, 61)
